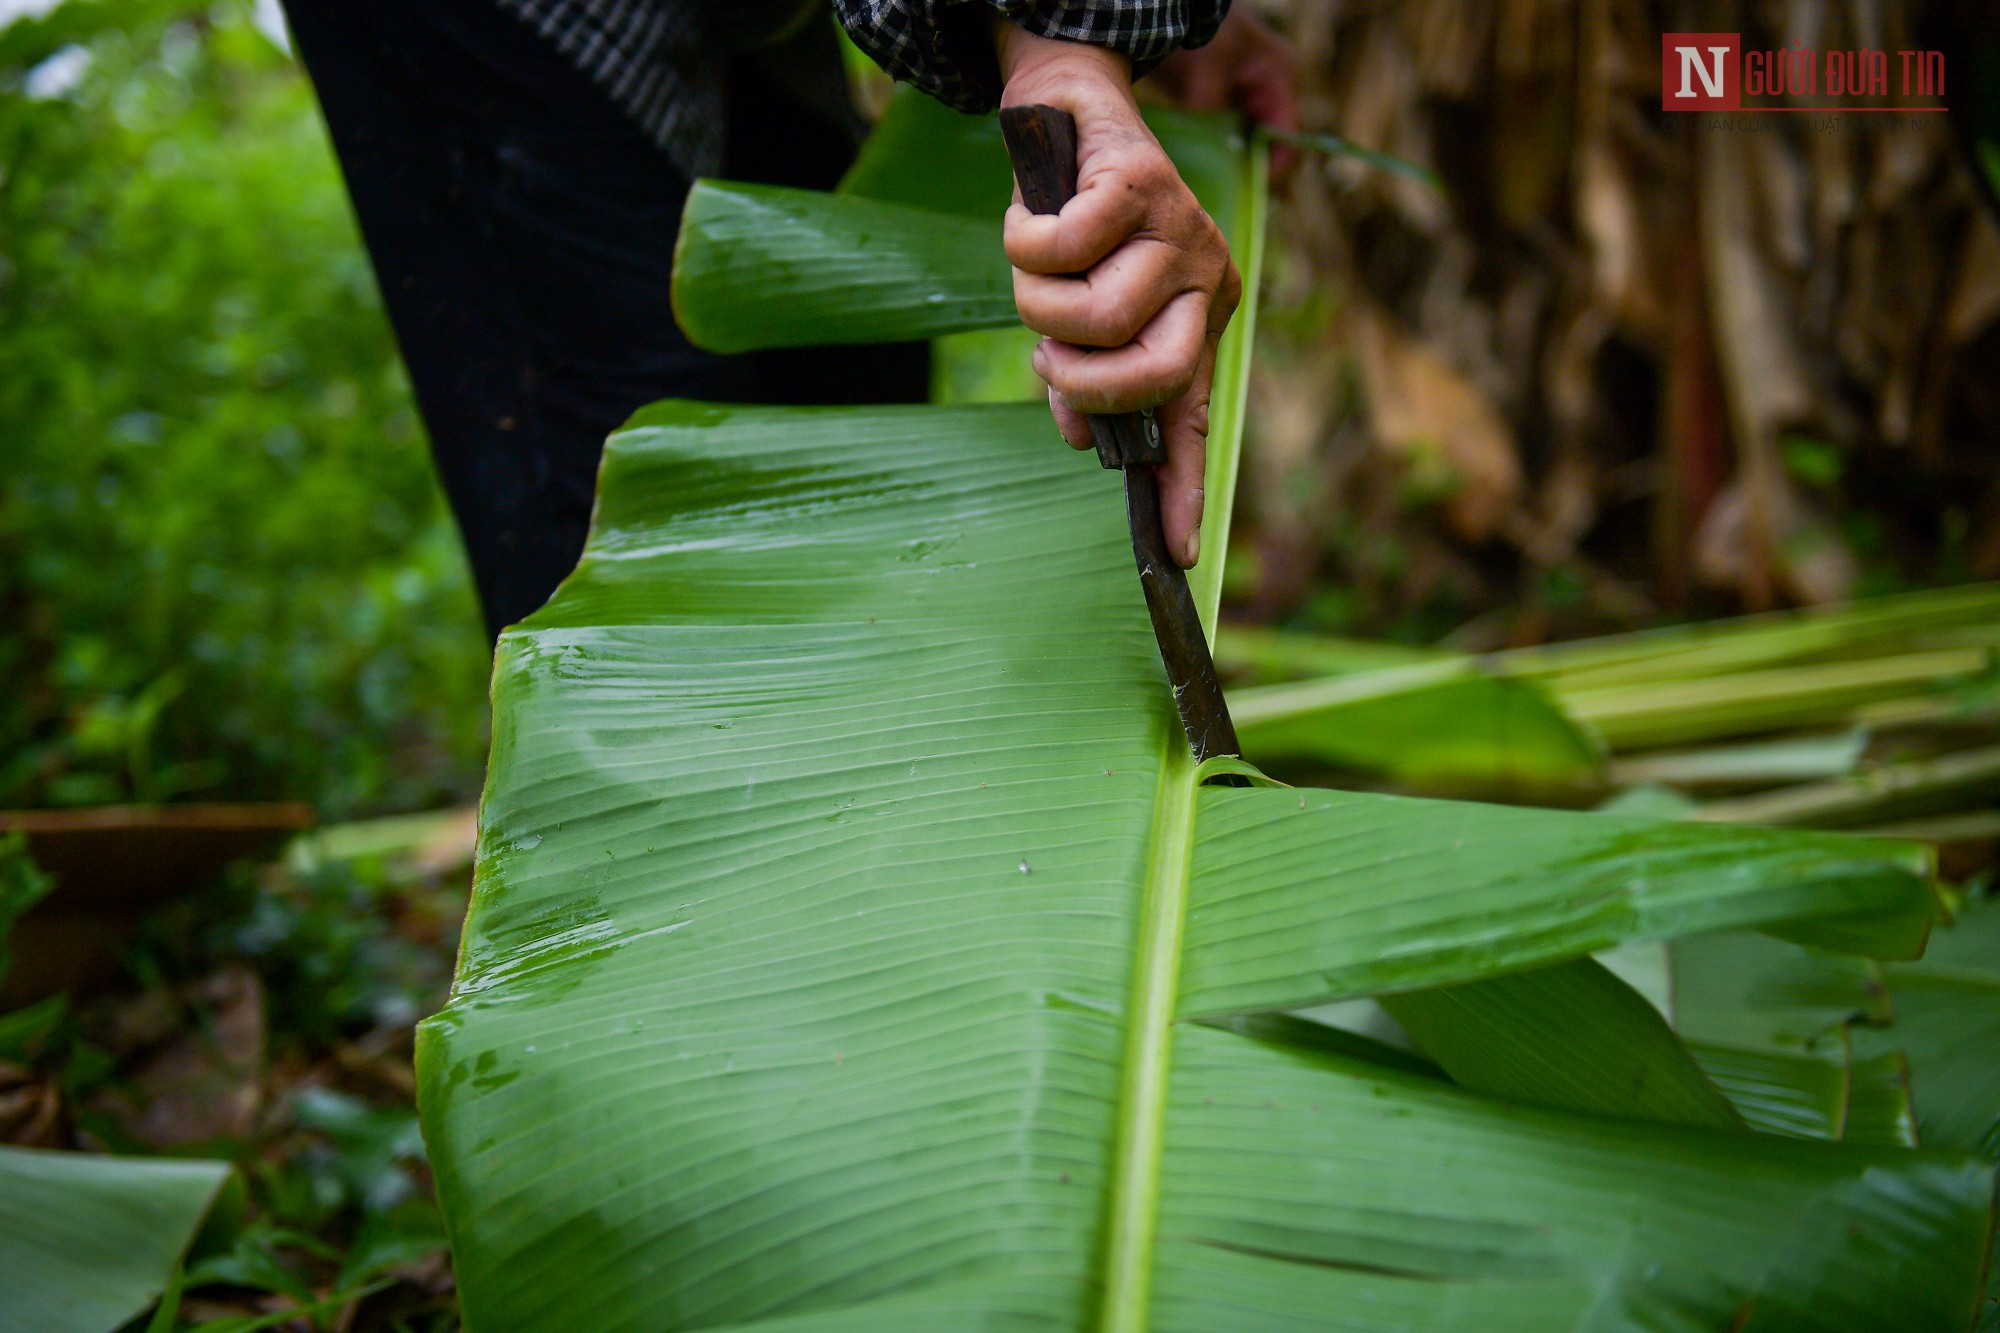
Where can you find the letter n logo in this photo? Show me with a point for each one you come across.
(1699, 71)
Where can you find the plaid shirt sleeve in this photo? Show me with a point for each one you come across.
(945, 47)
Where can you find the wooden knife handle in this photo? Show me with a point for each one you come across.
(1041, 140)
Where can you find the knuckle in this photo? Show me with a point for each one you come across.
(1084, 241)
(1211, 238)
(1112, 323)
(1033, 313)
(1030, 245)
(1154, 174)
(1072, 385)
(1229, 292)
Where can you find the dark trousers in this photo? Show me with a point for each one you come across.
(522, 231)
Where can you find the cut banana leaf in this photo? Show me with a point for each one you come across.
(1879, 1105)
(1276, 655)
(1947, 1023)
(88, 1242)
(1763, 763)
(1337, 1176)
(1893, 790)
(824, 936)
(851, 270)
(1923, 1039)
(1571, 1037)
(1433, 724)
(1301, 897)
(1760, 994)
(1682, 686)
(1802, 1096)
(1924, 1036)
(1948, 1029)
(1878, 627)
(909, 249)
(1686, 712)
(1936, 618)
(1816, 1097)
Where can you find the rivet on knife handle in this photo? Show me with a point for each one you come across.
(1041, 140)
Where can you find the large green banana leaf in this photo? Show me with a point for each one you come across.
(841, 865)
(845, 884)
(88, 1242)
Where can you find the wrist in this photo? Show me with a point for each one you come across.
(1051, 70)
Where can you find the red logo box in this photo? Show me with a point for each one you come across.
(1701, 71)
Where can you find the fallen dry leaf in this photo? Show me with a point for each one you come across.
(1418, 402)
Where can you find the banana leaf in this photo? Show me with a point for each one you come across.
(842, 865)
(1834, 1096)
(1432, 724)
(924, 155)
(1947, 1027)
(1778, 1093)
(858, 271)
(1758, 994)
(1920, 1041)
(88, 1242)
(1571, 1036)
(908, 249)
(1880, 1107)
(1947, 1022)
(845, 883)
(1760, 763)
(1934, 618)
(1684, 685)
(1267, 655)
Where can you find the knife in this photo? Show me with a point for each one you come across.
(1041, 140)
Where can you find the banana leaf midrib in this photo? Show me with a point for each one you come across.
(1136, 1151)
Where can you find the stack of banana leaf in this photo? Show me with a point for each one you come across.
(1881, 716)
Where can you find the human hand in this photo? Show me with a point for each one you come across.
(1131, 282)
(1247, 67)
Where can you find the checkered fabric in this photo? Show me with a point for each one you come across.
(655, 58)
(646, 56)
(945, 47)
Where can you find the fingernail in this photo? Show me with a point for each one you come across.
(1193, 547)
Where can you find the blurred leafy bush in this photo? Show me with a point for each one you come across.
(225, 566)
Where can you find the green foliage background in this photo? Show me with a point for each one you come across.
(225, 565)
